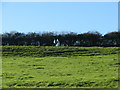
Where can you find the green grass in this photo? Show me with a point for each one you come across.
(74, 67)
(42, 51)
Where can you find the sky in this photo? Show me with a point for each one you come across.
(78, 17)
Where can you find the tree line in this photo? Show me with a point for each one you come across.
(68, 39)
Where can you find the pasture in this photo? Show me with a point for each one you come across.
(60, 67)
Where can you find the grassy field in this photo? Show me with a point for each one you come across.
(60, 67)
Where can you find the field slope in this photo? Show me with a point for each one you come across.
(60, 67)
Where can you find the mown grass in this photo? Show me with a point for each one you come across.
(74, 67)
(42, 51)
